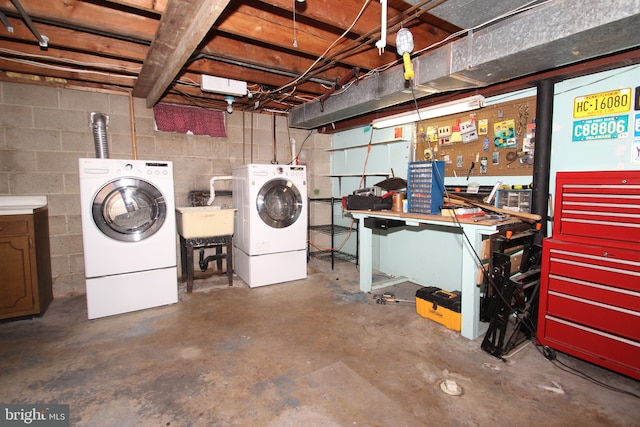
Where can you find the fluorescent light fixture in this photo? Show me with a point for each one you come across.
(453, 107)
(223, 86)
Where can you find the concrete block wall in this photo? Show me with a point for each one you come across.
(44, 131)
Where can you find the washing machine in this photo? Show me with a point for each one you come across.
(129, 235)
(270, 234)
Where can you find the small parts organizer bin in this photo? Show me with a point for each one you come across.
(515, 200)
(440, 306)
(425, 187)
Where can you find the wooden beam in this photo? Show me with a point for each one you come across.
(183, 25)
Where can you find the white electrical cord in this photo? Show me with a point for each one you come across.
(295, 38)
(382, 43)
(297, 79)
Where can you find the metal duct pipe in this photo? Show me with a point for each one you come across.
(99, 124)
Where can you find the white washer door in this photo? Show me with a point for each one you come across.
(129, 209)
(279, 203)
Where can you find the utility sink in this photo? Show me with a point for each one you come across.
(204, 221)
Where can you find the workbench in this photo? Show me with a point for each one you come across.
(475, 230)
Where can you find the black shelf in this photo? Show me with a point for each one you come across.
(331, 255)
(328, 228)
(331, 229)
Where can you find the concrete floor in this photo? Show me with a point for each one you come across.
(315, 352)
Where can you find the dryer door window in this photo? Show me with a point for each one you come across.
(129, 209)
(279, 203)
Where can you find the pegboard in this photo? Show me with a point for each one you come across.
(498, 140)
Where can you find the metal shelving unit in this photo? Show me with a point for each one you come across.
(331, 229)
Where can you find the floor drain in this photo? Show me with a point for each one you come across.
(451, 388)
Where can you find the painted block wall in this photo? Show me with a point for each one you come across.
(404, 252)
(400, 252)
(599, 154)
(362, 157)
(44, 130)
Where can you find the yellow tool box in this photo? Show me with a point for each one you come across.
(440, 306)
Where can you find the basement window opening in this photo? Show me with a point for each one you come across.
(189, 120)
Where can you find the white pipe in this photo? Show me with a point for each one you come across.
(293, 152)
(212, 192)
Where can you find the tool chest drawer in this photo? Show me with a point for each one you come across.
(587, 312)
(592, 291)
(608, 350)
(602, 265)
(602, 205)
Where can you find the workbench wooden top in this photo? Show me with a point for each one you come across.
(437, 217)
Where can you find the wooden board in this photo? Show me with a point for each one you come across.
(500, 147)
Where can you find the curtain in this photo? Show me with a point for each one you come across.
(185, 119)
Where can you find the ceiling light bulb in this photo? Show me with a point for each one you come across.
(229, 100)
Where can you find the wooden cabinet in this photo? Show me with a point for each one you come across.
(590, 276)
(25, 264)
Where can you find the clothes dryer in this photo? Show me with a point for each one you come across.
(270, 235)
(129, 235)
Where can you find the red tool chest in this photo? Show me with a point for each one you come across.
(590, 273)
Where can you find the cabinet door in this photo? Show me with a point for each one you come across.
(16, 290)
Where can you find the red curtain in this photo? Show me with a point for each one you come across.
(184, 119)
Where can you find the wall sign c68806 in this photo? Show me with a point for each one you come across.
(612, 127)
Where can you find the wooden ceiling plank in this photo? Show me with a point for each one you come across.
(79, 59)
(106, 79)
(182, 27)
(435, 23)
(88, 15)
(236, 50)
(154, 6)
(80, 41)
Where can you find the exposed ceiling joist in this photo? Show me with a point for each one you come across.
(182, 27)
